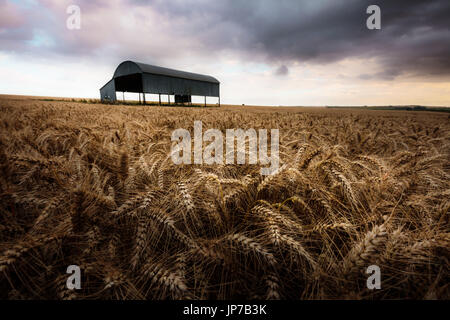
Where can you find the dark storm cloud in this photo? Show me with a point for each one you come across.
(414, 38)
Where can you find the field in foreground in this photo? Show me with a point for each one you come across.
(94, 186)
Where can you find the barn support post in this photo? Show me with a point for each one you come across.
(123, 96)
(159, 98)
(219, 100)
(168, 98)
(143, 91)
(205, 101)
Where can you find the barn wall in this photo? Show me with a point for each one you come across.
(108, 92)
(170, 85)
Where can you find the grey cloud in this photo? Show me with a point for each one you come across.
(282, 70)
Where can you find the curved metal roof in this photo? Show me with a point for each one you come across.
(130, 67)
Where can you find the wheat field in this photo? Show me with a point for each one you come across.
(93, 185)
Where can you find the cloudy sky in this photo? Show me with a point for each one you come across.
(299, 52)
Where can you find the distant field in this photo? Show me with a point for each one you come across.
(94, 185)
(401, 108)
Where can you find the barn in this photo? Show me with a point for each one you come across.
(143, 78)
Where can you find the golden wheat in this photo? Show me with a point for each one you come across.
(94, 185)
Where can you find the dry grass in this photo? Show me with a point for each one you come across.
(93, 185)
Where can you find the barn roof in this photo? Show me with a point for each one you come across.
(132, 67)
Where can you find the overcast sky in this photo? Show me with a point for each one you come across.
(316, 52)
